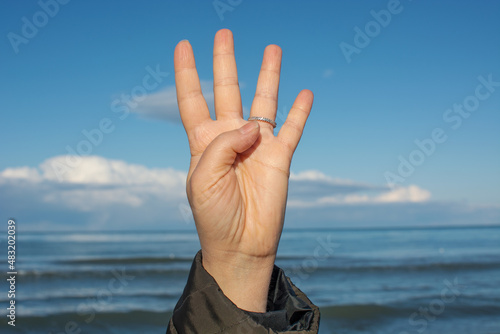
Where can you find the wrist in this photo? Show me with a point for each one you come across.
(242, 278)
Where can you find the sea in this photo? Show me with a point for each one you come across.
(397, 280)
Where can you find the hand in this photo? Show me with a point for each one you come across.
(238, 176)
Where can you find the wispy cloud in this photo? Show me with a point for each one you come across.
(314, 189)
(99, 193)
(103, 193)
(162, 105)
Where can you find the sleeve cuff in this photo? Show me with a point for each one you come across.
(203, 308)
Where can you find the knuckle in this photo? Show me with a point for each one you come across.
(267, 95)
(226, 81)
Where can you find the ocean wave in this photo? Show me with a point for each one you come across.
(52, 274)
(145, 260)
(127, 260)
(57, 322)
(358, 311)
(348, 312)
(407, 267)
(152, 266)
(287, 261)
(117, 237)
(365, 311)
(84, 295)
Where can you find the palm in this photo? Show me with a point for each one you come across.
(238, 203)
(244, 195)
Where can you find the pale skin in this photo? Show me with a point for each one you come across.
(237, 182)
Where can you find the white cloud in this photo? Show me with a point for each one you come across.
(102, 193)
(162, 104)
(314, 175)
(411, 193)
(108, 190)
(21, 173)
(101, 171)
(313, 189)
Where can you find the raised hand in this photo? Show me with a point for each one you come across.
(238, 176)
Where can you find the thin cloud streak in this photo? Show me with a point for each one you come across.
(162, 105)
(103, 193)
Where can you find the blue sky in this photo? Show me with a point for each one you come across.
(67, 67)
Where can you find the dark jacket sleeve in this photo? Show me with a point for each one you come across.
(203, 308)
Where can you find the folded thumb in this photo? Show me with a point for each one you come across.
(220, 155)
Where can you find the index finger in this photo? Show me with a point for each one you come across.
(192, 106)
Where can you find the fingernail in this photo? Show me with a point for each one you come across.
(249, 127)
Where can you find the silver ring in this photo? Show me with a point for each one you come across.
(263, 119)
